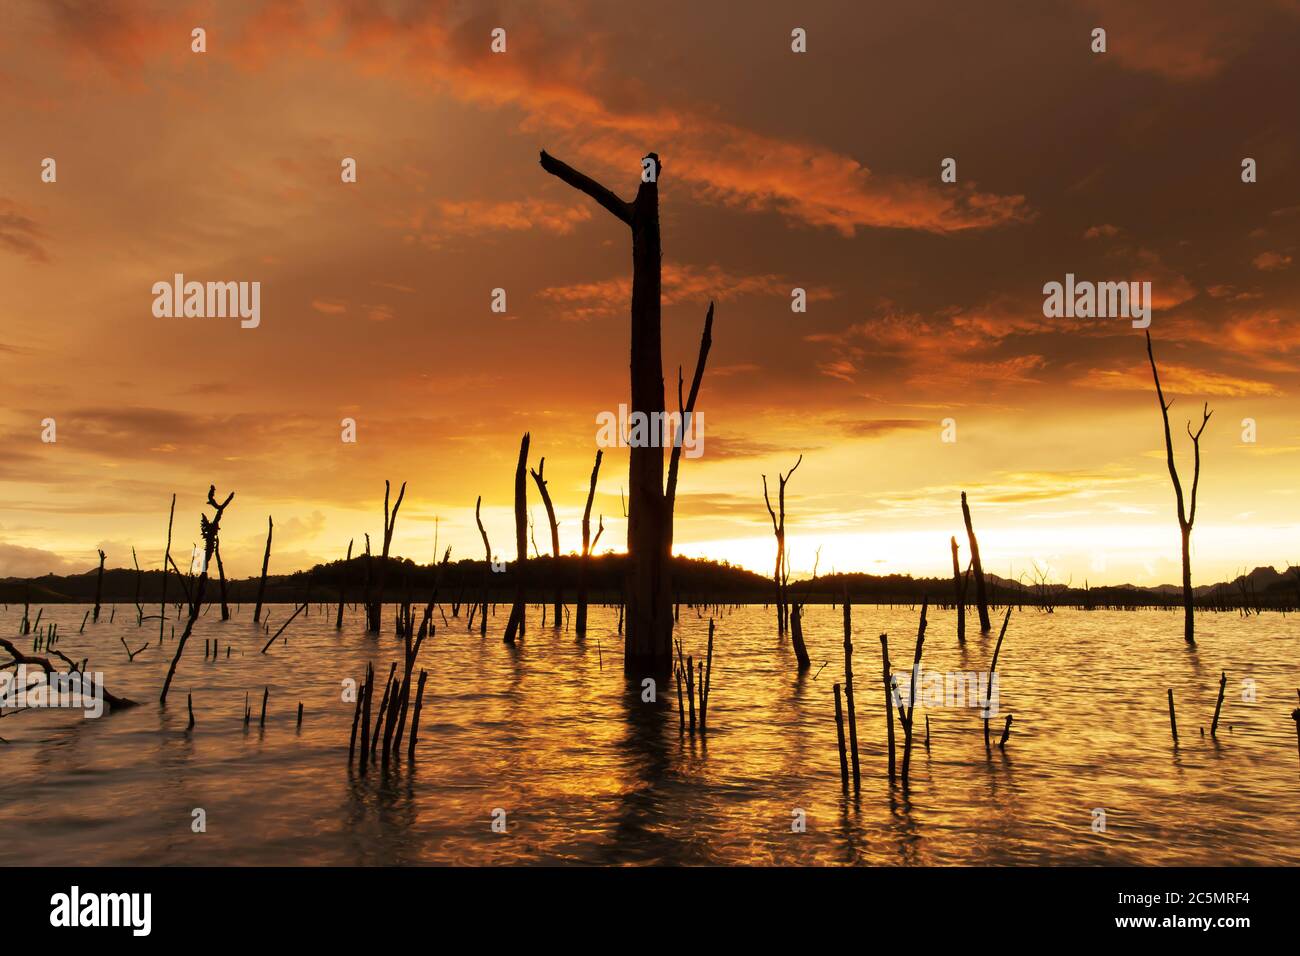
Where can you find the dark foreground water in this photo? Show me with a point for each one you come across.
(587, 773)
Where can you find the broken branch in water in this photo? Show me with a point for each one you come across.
(113, 701)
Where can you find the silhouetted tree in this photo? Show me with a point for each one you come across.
(266, 561)
(487, 568)
(516, 623)
(557, 609)
(99, 584)
(210, 530)
(648, 642)
(778, 528)
(588, 545)
(375, 610)
(1186, 516)
(981, 597)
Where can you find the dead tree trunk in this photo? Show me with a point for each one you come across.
(210, 531)
(375, 610)
(266, 560)
(778, 528)
(99, 585)
(557, 607)
(487, 568)
(1186, 516)
(167, 556)
(911, 697)
(648, 641)
(221, 579)
(343, 586)
(516, 623)
(588, 545)
(980, 596)
(959, 595)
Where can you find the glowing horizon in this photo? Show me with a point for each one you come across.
(925, 299)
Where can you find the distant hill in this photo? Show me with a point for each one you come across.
(695, 581)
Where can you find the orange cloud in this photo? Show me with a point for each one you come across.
(20, 234)
(1175, 379)
(680, 284)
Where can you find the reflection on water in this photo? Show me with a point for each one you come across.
(586, 772)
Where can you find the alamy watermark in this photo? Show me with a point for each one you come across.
(1098, 300)
(651, 430)
(22, 690)
(208, 300)
(935, 689)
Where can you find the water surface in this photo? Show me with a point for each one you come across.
(586, 773)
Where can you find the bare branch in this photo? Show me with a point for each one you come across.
(622, 210)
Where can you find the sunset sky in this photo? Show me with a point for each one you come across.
(818, 170)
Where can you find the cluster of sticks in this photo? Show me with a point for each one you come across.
(686, 671)
(893, 698)
(1218, 710)
(391, 717)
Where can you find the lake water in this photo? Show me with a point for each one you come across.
(586, 773)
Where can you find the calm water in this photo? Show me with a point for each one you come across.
(588, 774)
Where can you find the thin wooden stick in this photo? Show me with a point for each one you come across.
(707, 683)
(415, 718)
(1173, 721)
(993, 667)
(839, 730)
(911, 705)
(1223, 683)
(848, 693)
(356, 716)
(889, 699)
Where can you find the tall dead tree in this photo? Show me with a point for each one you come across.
(487, 568)
(516, 623)
(648, 638)
(1186, 516)
(343, 586)
(588, 545)
(210, 530)
(221, 580)
(778, 528)
(959, 594)
(99, 584)
(980, 595)
(375, 609)
(266, 561)
(167, 560)
(557, 609)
